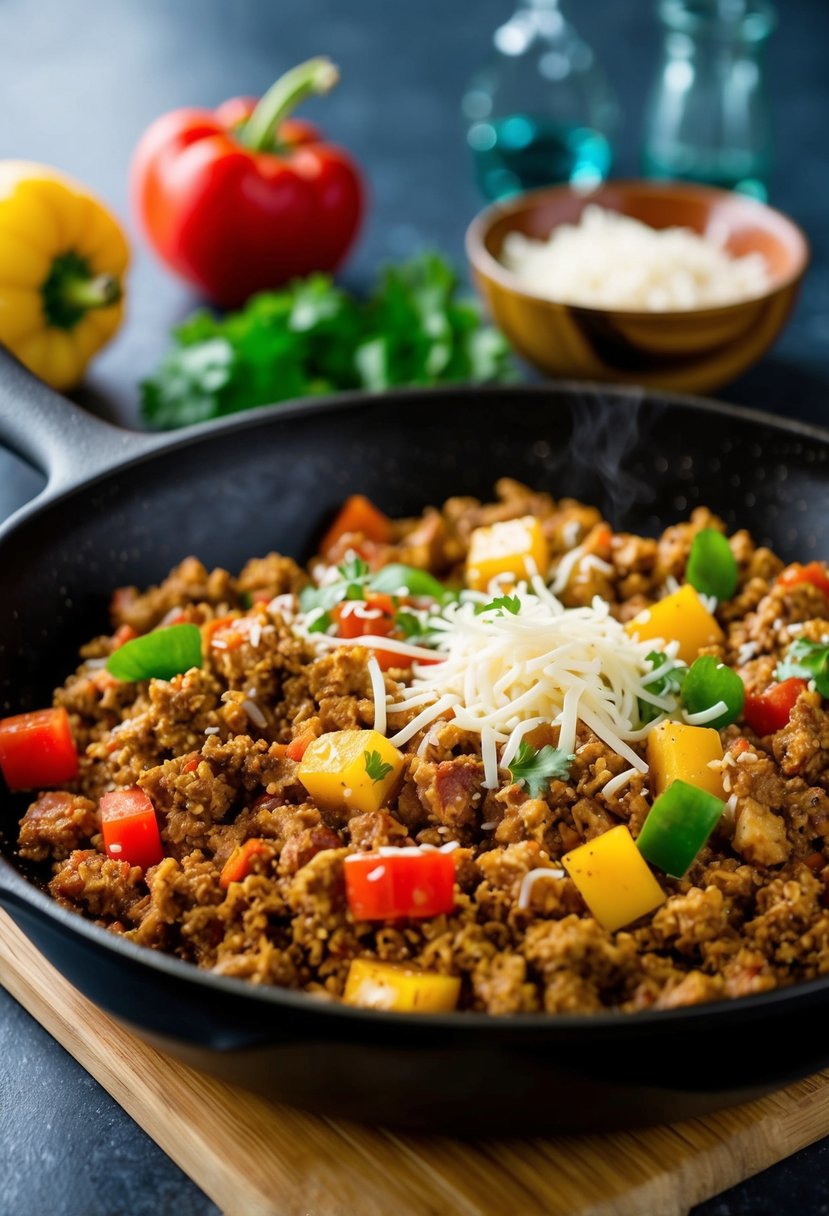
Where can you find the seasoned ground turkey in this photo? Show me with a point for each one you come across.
(210, 748)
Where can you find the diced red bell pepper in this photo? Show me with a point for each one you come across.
(222, 633)
(380, 887)
(768, 712)
(363, 618)
(122, 635)
(37, 749)
(130, 828)
(237, 866)
(359, 517)
(297, 748)
(814, 573)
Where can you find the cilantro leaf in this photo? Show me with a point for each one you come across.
(508, 603)
(322, 623)
(668, 684)
(376, 768)
(808, 661)
(312, 337)
(354, 570)
(535, 768)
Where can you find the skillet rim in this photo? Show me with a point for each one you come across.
(19, 891)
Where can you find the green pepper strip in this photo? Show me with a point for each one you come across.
(712, 567)
(164, 653)
(677, 826)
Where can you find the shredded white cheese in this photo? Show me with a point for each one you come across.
(422, 719)
(378, 692)
(611, 260)
(531, 878)
(545, 662)
(617, 782)
(705, 715)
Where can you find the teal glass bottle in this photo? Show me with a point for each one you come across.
(709, 116)
(541, 110)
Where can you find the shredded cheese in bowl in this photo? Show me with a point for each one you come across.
(609, 260)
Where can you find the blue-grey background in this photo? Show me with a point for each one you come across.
(79, 81)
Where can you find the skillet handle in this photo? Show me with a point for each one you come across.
(56, 436)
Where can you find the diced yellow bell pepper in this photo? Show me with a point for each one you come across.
(400, 988)
(678, 752)
(504, 548)
(681, 617)
(613, 878)
(356, 770)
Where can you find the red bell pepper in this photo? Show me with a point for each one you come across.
(768, 712)
(130, 828)
(240, 199)
(814, 573)
(373, 616)
(357, 517)
(237, 866)
(37, 749)
(384, 887)
(297, 748)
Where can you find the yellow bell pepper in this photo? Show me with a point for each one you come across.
(62, 263)
(506, 548)
(355, 770)
(678, 752)
(613, 878)
(400, 988)
(681, 617)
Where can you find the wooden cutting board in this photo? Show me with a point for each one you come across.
(257, 1159)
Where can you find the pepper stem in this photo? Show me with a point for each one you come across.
(86, 293)
(315, 76)
(71, 290)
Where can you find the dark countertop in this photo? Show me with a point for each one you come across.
(80, 80)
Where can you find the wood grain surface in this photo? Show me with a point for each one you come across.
(254, 1158)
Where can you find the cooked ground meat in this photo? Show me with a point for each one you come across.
(218, 751)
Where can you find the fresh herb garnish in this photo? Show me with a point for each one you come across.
(353, 570)
(356, 580)
(395, 577)
(534, 768)
(411, 626)
(667, 685)
(709, 681)
(311, 337)
(807, 661)
(322, 623)
(376, 768)
(712, 567)
(504, 603)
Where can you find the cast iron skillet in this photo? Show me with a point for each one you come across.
(121, 508)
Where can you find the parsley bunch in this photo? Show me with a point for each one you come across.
(312, 337)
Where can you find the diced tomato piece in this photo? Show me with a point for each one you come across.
(297, 748)
(380, 887)
(373, 616)
(37, 749)
(130, 828)
(361, 518)
(768, 712)
(237, 866)
(814, 573)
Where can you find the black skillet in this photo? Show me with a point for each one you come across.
(121, 508)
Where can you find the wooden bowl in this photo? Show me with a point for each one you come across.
(693, 350)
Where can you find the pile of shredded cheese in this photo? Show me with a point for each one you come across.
(503, 673)
(609, 260)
